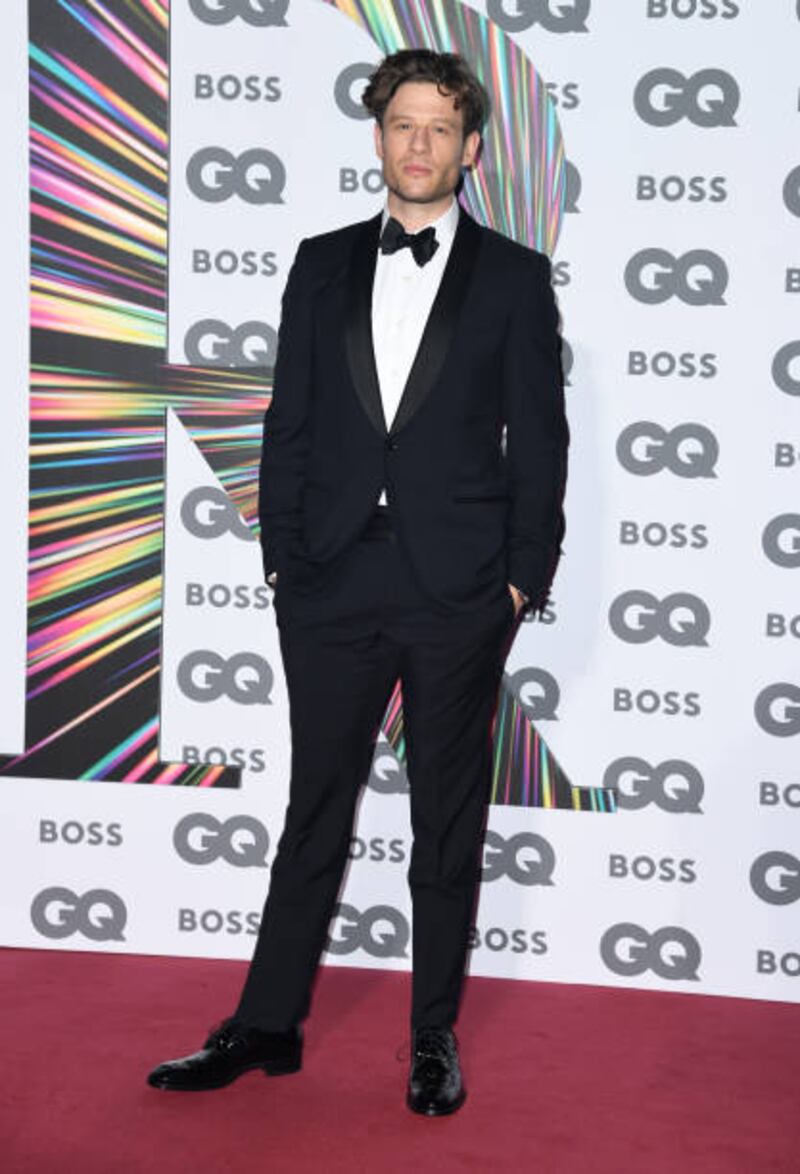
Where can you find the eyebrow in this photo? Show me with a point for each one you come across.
(436, 118)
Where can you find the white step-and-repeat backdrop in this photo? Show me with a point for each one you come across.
(645, 818)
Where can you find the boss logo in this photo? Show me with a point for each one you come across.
(232, 262)
(777, 710)
(689, 450)
(377, 850)
(208, 512)
(687, 365)
(775, 878)
(782, 373)
(680, 619)
(257, 176)
(232, 921)
(381, 931)
(213, 343)
(245, 677)
(788, 964)
(230, 87)
(786, 456)
(678, 536)
(781, 540)
(565, 95)
(556, 16)
(647, 702)
(572, 185)
(525, 858)
(779, 625)
(358, 73)
(673, 785)
(708, 98)
(695, 190)
(241, 840)
(514, 941)
(74, 832)
(245, 759)
(791, 191)
(353, 180)
(698, 278)
(685, 9)
(98, 915)
(775, 795)
(671, 953)
(260, 13)
(646, 868)
(537, 692)
(220, 595)
(387, 775)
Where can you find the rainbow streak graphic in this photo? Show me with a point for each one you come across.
(99, 394)
(100, 387)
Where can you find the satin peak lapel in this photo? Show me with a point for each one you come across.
(437, 336)
(358, 329)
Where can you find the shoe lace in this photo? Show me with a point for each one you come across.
(432, 1044)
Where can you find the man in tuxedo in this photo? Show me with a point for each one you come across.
(411, 490)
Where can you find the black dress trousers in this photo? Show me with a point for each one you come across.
(346, 637)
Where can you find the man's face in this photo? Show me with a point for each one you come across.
(422, 144)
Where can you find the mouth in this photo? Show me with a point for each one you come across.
(416, 169)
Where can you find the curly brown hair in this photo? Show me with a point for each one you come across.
(447, 71)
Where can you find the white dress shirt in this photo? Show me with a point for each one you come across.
(402, 296)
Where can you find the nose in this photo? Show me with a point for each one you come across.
(420, 139)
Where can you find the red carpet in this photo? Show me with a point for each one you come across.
(561, 1078)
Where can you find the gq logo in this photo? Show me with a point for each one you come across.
(260, 13)
(567, 362)
(351, 107)
(777, 709)
(573, 185)
(525, 858)
(775, 878)
(99, 915)
(537, 692)
(708, 98)
(387, 775)
(781, 368)
(680, 619)
(688, 450)
(381, 931)
(698, 278)
(213, 343)
(556, 16)
(208, 512)
(781, 540)
(245, 677)
(673, 785)
(791, 191)
(671, 952)
(241, 840)
(257, 176)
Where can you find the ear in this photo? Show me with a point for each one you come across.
(470, 149)
(378, 140)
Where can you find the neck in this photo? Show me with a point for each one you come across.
(414, 217)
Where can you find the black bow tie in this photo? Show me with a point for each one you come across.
(422, 244)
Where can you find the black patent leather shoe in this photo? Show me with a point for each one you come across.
(435, 1087)
(228, 1052)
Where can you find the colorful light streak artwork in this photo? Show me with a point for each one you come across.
(100, 386)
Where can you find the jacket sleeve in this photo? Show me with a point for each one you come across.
(537, 435)
(286, 422)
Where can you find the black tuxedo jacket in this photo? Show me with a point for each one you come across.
(472, 510)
